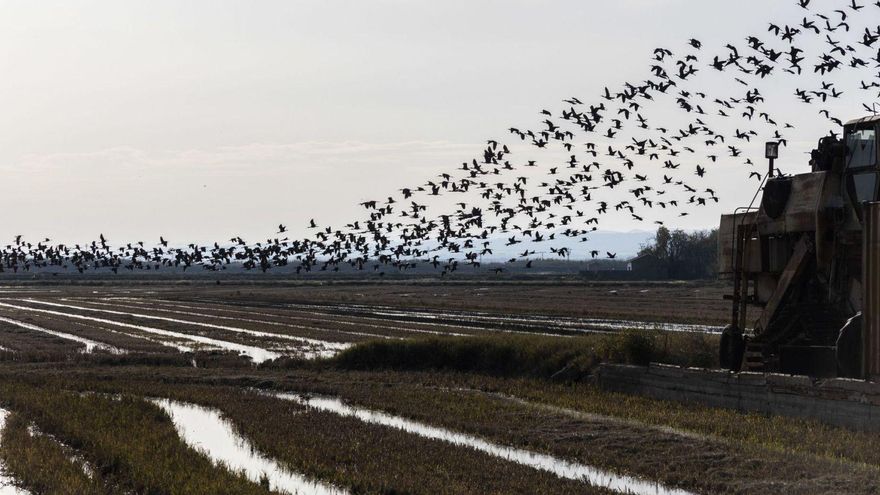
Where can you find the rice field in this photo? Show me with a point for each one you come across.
(163, 388)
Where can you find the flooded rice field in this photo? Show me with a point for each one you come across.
(229, 390)
(90, 345)
(256, 354)
(133, 320)
(522, 323)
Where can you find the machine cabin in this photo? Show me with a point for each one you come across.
(798, 263)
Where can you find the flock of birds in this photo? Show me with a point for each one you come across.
(619, 162)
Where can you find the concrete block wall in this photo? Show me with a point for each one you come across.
(841, 402)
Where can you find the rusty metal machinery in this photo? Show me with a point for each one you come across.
(805, 265)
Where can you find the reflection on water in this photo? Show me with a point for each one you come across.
(257, 354)
(559, 467)
(154, 305)
(163, 304)
(322, 347)
(91, 345)
(485, 321)
(205, 430)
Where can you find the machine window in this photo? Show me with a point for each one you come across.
(865, 187)
(861, 145)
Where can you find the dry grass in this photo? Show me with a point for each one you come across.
(132, 443)
(713, 454)
(44, 465)
(710, 464)
(363, 458)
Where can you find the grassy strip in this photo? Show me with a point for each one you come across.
(531, 356)
(344, 451)
(42, 464)
(364, 458)
(131, 442)
(776, 433)
(759, 430)
(703, 464)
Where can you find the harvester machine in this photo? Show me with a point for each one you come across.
(805, 265)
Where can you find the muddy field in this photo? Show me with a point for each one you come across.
(381, 388)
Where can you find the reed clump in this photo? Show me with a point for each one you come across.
(535, 356)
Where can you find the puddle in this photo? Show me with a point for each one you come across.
(323, 347)
(91, 345)
(7, 483)
(208, 432)
(256, 354)
(543, 462)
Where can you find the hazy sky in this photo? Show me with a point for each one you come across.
(199, 120)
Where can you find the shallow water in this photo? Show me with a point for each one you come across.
(322, 347)
(256, 354)
(7, 483)
(543, 462)
(205, 430)
(166, 343)
(362, 313)
(463, 318)
(165, 303)
(91, 345)
(163, 307)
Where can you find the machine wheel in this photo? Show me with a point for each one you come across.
(732, 348)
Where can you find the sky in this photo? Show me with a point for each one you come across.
(207, 119)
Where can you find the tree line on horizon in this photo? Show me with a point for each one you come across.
(685, 255)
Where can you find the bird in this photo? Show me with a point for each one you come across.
(493, 196)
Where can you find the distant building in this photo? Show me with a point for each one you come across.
(648, 267)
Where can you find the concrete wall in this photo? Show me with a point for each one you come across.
(841, 402)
